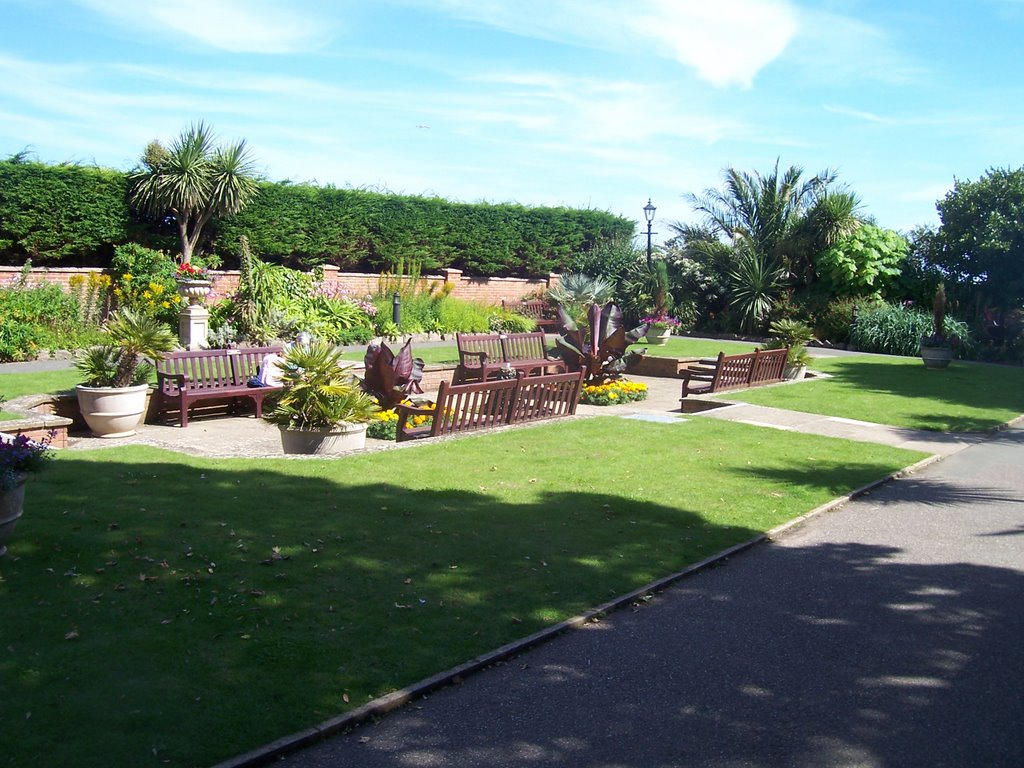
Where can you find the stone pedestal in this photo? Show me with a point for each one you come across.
(193, 325)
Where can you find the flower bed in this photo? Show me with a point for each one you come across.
(613, 393)
(384, 424)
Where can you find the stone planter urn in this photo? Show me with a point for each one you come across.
(194, 291)
(112, 411)
(657, 336)
(339, 439)
(12, 502)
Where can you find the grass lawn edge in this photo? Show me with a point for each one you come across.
(385, 704)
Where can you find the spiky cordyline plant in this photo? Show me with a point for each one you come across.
(319, 390)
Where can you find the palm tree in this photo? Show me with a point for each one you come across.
(776, 224)
(193, 181)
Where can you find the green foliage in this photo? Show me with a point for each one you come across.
(897, 330)
(357, 229)
(576, 293)
(144, 282)
(981, 237)
(795, 336)
(864, 263)
(599, 345)
(60, 213)
(834, 321)
(194, 181)
(507, 321)
(40, 317)
(457, 315)
(134, 339)
(757, 284)
(319, 390)
(608, 259)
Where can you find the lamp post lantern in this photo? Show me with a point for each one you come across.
(649, 210)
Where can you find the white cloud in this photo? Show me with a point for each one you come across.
(726, 42)
(237, 26)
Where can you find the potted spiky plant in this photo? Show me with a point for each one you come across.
(112, 397)
(937, 350)
(793, 336)
(322, 409)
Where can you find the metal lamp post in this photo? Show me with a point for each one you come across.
(649, 210)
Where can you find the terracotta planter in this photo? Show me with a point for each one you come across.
(339, 439)
(12, 502)
(112, 411)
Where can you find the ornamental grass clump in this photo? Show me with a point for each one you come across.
(613, 393)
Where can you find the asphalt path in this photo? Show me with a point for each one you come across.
(887, 632)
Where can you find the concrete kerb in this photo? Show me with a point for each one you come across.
(392, 701)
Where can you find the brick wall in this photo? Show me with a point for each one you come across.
(488, 290)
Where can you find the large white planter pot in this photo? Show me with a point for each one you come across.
(112, 411)
(657, 336)
(341, 438)
(12, 501)
(794, 372)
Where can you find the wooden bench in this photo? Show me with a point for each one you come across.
(537, 310)
(486, 404)
(484, 356)
(762, 366)
(184, 378)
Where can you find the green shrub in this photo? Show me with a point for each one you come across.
(507, 321)
(833, 323)
(894, 329)
(143, 281)
(38, 318)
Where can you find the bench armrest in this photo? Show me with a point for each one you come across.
(466, 358)
(177, 378)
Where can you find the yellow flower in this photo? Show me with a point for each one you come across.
(127, 277)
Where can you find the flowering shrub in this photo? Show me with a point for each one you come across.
(661, 321)
(189, 271)
(613, 393)
(19, 455)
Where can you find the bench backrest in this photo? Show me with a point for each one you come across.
(522, 346)
(768, 365)
(757, 367)
(210, 368)
(545, 397)
(490, 343)
(536, 309)
(472, 406)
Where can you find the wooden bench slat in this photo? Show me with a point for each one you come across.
(762, 366)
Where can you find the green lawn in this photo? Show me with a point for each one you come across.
(164, 609)
(14, 385)
(682, 346)
(903, 393)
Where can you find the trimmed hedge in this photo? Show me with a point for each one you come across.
(61, 213)
(69, 213)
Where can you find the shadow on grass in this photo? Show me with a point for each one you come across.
(168, 613)
(832, 654)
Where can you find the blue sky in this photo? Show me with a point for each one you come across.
(585, 103)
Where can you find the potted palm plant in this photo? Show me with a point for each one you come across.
(112, 397)
(793, 336)
(322, 409)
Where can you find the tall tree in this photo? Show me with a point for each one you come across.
(192, 182)
(981, 237)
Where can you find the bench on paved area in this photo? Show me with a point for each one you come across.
(537, 310)
(762, 366)
(484, 356)
(184, 378)
(486, 404)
